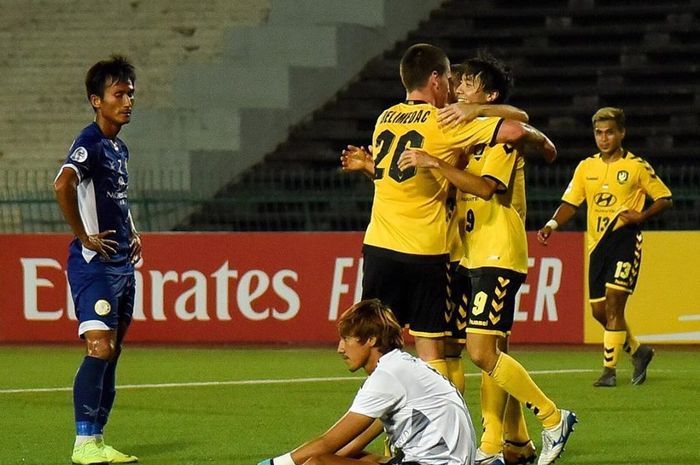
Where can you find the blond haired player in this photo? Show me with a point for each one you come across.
(614, 183)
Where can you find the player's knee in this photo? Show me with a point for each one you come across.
(103, 348)
(483, 357)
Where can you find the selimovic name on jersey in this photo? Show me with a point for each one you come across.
(400, 117)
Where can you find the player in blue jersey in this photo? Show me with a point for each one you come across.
(91, 191)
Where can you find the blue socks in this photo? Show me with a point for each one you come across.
(109, 392)
(87, 394)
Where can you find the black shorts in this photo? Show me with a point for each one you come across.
(459, 293)
(413, 287)
(615, 262)
(492, 303)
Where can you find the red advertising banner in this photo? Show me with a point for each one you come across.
(254, 287)
(550, 304)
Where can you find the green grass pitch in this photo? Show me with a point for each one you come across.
(238, 405)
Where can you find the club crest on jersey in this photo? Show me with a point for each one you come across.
(79, 155)
(622, 176)
(102, 307)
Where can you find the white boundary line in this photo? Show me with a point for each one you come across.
(248, 382)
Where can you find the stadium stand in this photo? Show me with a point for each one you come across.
(569, 58)
(568, 61)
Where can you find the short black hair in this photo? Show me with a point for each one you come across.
(116, 69)
(419, 62)
(493, 74)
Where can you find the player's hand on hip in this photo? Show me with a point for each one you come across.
(631, 217)
(135, 248)
(100, 244)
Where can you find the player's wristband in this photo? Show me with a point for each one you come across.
(285, 459)
(552, 224)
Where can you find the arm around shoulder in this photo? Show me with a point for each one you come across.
(527, 139)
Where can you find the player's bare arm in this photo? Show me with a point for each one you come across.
(66, 191)
(463, 112)
(349, 427)
(463, 180)
(358, 159)
(635, 217)
(356, 448)
(562, 215)
(527, 139)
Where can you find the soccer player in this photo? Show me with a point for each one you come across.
(614, 184)
(496, 263)
(484, 80)
(406, 243)
(358, 159)
(91, 191)
(423, 414)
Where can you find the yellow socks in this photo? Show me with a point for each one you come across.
(455, 372)
(493, 405)
(514, 379)
(440, 366)
(612, 345)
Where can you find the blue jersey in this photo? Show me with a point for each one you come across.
(100, 164)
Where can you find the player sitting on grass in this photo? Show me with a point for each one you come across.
(423, 414)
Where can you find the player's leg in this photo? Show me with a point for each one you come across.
(432, 351)
(454, 363)
(94, 304)
(427, 306)
(459, 293)
(613, 337)
(622, 265)
(492, 293)
(598, 271)
(518, 448)
(87, 395)
(629, 262)
(483, 349)
(123, 286)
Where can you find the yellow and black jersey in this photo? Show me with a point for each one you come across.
(495, 229)
(456, 208)
(611, 188)
(409, 210)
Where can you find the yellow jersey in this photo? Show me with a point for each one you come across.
(409, 209)
(611, 188)
(455, 224)
(495, 229)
